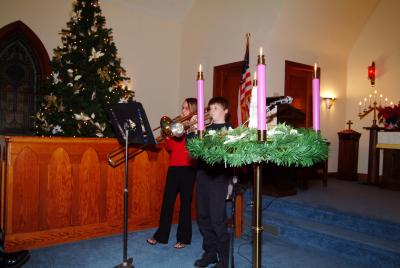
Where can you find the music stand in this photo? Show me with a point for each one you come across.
(131, 126)
(231, 263)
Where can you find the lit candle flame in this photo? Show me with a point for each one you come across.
(261, 52)
(200, 68)
(315, 70)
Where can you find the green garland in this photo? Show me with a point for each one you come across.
(285, 146)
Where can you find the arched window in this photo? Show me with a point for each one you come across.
(24, 63)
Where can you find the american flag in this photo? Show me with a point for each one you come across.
(245, 87)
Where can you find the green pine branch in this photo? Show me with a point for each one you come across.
(285, 146)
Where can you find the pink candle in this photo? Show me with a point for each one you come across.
(316, 101)
(200, 100)
(261, 93)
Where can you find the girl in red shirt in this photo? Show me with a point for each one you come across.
(180, 179)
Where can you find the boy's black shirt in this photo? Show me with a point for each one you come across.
(216, 169)
(218, 126)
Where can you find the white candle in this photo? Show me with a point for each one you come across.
(253, 104)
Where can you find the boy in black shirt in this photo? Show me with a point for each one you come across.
(212, 188)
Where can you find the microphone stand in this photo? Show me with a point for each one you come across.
(233, 218)
(126, 263)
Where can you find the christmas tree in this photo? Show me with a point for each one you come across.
(86, 78)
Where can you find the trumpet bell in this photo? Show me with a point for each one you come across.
(171, 128)
(177, 129)
(165, 124)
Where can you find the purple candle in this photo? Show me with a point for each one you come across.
(261, 94)
(316, 100)
(200, 100)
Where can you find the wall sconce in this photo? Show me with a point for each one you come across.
(329, 101)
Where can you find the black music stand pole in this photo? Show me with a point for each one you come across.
(125, 118)
(125, 261)
(233, 224)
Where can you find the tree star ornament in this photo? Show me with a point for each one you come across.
(57, 129)
(51, 100)
(95, 54)
(58, 54)
(56, 79)
(82, 117)
(103, 74)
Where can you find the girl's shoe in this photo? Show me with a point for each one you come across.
(152, 241)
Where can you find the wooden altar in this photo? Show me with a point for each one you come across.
(389, 142)
(57, 190)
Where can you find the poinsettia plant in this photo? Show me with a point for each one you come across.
(390, 116)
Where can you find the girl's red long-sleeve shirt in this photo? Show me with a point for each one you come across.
(179, 155)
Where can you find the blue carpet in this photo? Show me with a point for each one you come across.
(363, 239)
(107, 252)
(308, 237)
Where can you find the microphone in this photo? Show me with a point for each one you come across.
(282, 100)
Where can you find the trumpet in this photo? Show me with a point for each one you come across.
(179, 125)
(175, 127)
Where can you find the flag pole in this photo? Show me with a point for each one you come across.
(244, 87)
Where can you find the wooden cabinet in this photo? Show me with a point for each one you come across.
(348, 154)
(57, 190)
(391, 169)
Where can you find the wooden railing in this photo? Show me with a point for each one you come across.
(57, 190)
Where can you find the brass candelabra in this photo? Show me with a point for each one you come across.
(371, 108)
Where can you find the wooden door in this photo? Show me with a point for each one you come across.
(226, 84)
(298, 84)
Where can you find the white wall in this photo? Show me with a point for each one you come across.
(149, 46)
(161, 54)
(380, 42)
(306, 31)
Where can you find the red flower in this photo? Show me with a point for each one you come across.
(389, 115)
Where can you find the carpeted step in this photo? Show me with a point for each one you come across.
(360, 238)
(348, 243)
(366, 225)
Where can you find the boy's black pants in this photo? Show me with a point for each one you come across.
(211, 191)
